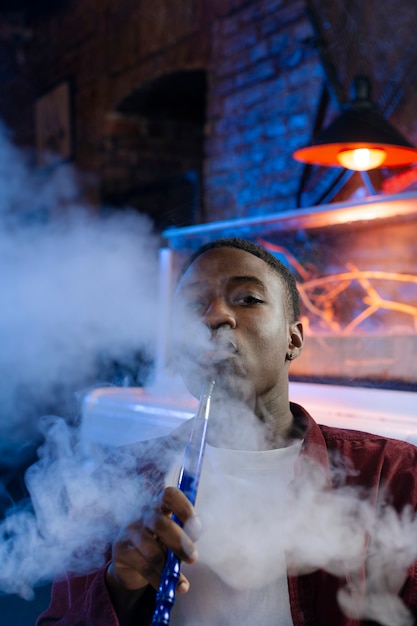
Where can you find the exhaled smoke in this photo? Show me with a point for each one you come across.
(78, 500)
(254, 529)
(77, 290)
(79, 287)
(79, 497)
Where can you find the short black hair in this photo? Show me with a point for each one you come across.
(287, 278)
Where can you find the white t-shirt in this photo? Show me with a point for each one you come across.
(240, 577)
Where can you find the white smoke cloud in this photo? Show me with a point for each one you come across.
(75, 288)
(80, 496)
(78, 500)
(78, 287)
(253, 530)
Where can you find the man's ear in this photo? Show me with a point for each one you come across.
(296, 342)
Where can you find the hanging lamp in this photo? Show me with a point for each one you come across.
(359, 138)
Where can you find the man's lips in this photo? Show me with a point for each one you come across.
(215, 352)
(217, 355)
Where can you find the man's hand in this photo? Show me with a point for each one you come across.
(138, 553)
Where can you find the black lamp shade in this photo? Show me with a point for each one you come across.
(358, 126)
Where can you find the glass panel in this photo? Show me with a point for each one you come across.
(355, 266)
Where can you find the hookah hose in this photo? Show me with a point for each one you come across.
(187, 483)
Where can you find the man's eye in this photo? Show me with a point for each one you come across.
(248, 299)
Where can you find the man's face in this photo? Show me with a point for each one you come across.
(231, 324)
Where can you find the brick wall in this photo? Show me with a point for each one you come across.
(264, 78)
(108, 50)
(153, 165)
(265, 83)
(259, 77)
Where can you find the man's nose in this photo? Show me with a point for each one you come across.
(218, 314)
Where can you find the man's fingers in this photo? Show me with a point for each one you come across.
(173, 500)
(138, 557)
(141, 550)
(168, 533)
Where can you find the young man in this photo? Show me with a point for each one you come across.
(287, 524)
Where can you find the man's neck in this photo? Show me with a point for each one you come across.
(264, 426)
(274, 412)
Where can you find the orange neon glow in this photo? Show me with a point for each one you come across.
(319, 294)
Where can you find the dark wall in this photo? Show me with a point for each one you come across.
(264, 64)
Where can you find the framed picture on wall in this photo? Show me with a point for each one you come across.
(53, 123)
